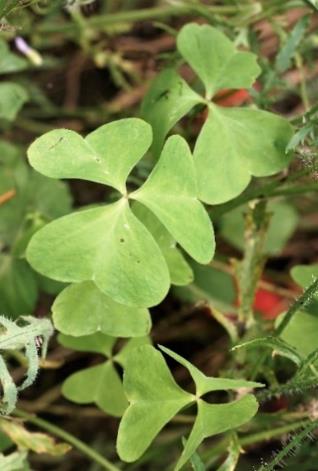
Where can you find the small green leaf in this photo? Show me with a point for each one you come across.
(97, 343)
(170, 193)
(107, 155)
(215, 59)
(99, 384)
(154, 398)
(124, 261)
(234, 144)
(217, 418)
(205, 384)
(179, 269)
(82, 309)
(166, 102)
(12, 98)
(287, 52)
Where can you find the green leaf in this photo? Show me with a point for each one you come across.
(107, 155)
(170, 193)
(205, 384)
(10, 62)
(12, 98)
(124, 262)
(287, 52)
(168, 99)
(82, 309)
(155, 398)
(97, 343)
(283, 222)
(99, 384)
(215, 59)
(179, 269)
(233, 145)
(217, 418)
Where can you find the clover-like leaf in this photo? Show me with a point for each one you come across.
(169, 99)
(215, 59)
(12, 98)
(170, 193)
(107, 155)
(234, 144)
(179, 269)
(155, 398)
(107, 245)
(99, 384)
(82, 309)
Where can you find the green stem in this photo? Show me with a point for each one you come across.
(269, 190)
(142, 14)
(58, 432)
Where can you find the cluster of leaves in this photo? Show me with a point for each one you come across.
(120, 258)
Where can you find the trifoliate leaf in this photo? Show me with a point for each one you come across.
(107, 245)
(170, 193)
(169, 98)
(234, 144)
(215, 59)
(155, 398)
(82, 309)
(107, 155)
(12, 98)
